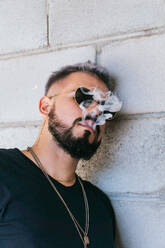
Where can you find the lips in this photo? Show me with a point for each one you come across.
(88, 124)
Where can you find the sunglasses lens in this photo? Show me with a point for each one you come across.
(81, 95)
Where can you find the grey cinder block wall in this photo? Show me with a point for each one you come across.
(128, 37)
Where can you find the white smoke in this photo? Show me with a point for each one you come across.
(105, 104)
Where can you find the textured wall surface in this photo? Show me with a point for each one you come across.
(128, 37)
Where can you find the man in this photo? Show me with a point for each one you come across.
(43, 202)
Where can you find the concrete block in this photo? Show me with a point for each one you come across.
(130, 158)
(23, 25)
(140, 223)
(23, 80)
(21, 137)
(77, 21)
(138, 67)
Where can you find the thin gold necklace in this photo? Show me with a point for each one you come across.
(85, 240)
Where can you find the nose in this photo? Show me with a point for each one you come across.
(93, 110)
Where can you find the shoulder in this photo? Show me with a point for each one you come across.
(7, 154)
(7, 157)
(6, 160)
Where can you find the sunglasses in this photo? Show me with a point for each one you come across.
(84, 96)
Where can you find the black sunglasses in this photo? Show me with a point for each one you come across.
(82, 96)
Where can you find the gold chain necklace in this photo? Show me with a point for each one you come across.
(85, 240)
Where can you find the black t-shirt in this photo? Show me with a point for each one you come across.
(33, 216)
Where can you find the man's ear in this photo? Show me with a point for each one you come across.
(44, 106)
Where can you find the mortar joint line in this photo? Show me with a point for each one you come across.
(99, 43)
(18, 124)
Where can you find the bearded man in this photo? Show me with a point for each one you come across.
(43, 202)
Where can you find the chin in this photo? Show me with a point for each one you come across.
(81, 133)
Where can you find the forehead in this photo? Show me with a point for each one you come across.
(76, 80)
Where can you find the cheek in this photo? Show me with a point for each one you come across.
(67, 111)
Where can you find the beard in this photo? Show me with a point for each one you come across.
(77, 147)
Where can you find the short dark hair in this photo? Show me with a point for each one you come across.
(88, 67)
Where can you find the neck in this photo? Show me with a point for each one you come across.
(56, 162)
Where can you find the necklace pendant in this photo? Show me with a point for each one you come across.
(86, 240)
